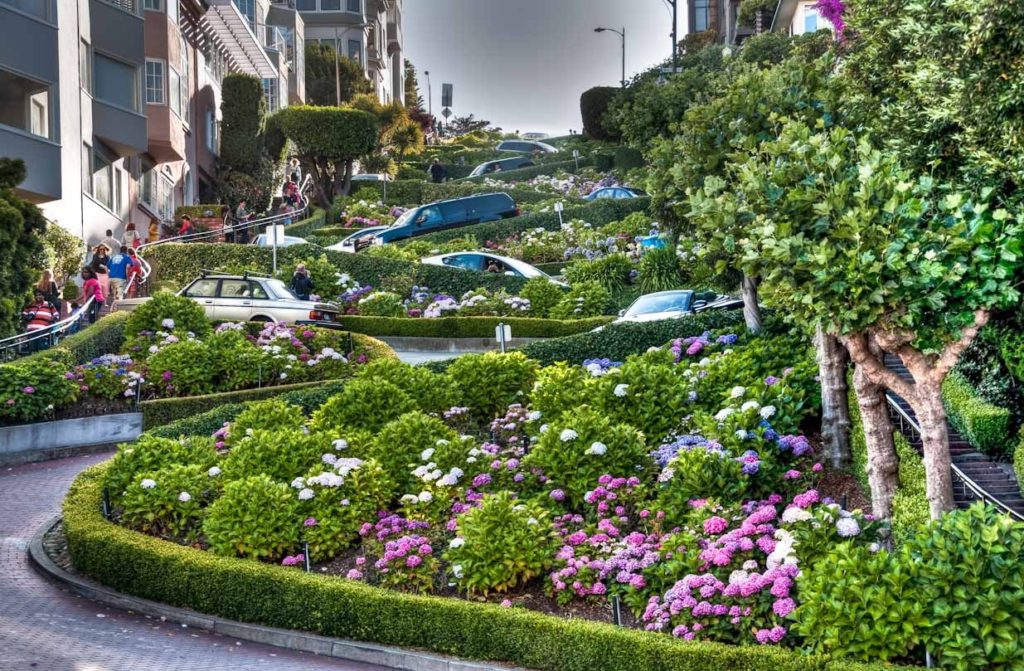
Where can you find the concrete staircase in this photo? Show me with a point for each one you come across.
(996, 479)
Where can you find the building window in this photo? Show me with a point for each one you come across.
(212, 131)
(155, 82)
(247, 8)
(270, 90)
(330, 5)
(186, 93)
(84, 67)
(174, 90)
(355, 50)
(702, 15)
(86, 168)
(119, 208)
(214, 62)
(153, 5)
(40, 9)
(115, 82)
(306, 5)
(24, 104)
(156, 193)
(355, 6)
(810, 20)
(102, 179)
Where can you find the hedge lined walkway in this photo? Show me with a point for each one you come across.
(44, 627)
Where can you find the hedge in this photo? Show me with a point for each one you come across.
(416, 192)
(523, 174)
(468, 327)
(104, 337)
(594, 105)
(618, 341)
(596, 213)
(307, 226)
(987, 427)
(277, 596)
(1018, 460)
(182, 263)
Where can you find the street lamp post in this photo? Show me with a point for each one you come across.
(621, 34)
(430, 95)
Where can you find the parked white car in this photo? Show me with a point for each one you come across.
(485, 262)
(241, 298)
(672, 304)
(361, 239)
(264, 240)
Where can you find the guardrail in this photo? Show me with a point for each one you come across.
(909, 427)
(25, 343)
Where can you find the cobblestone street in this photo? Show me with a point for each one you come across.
(43, 627)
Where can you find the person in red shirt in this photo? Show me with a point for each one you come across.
(134, 273)
(186, 226)
(91, 289)
(40, 314)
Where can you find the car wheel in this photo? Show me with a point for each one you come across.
(260, 319)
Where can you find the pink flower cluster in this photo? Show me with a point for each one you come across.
(407, 550)
(294, 560)
(389, 526)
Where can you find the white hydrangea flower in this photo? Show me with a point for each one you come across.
(847, 527)
(666, 475)
(749, 405)
(741, 434)
(448, 480)
(408, 498)
(328, 458)
(457, 472)
(567, 435)
(457, 570)
(347, 465)
(794, 514)
(213, 472)
(597, 449)
(532, 521)
(738, 577)
(737, 392)
(248, 432)
(457, 542)
(299, 483)
(620, 390)
(168, 324)
(148, 483)
(767, 411)
(723, 414)
(184, 497)
(340, 444)
(306, 494)
(441, 442)
(426, 454)
(425, 497)
(543, 428)
(533, 416)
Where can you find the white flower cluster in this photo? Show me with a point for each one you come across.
(784, 552)
(148, 483)
(184, 497)
(621, 390)
(567, 435)
(596, 450)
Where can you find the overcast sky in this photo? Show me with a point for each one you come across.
(522, 64)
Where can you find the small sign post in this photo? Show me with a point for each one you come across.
(503, 334)
(559, 206)
(576, 157)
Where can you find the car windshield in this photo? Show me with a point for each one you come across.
(280, 289)
(405, 218)
(674, 302)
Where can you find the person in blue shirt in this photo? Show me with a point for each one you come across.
(118, 269)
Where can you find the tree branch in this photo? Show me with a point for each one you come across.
(857, 345)
(951, 354)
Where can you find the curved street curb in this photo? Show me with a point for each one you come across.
(367, 653)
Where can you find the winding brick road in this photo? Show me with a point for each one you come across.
(45, 628)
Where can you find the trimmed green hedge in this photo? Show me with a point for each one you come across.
(524, 174)
(416, 192)
(277, 596)
(596, 213)
(1018, 460)
(182, 263)
(104, 337)
(468, 327)
(307, 226)
(618, 341)
(986, 426)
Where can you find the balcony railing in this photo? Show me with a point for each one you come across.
(130, 6)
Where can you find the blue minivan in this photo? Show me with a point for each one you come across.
(446, 214)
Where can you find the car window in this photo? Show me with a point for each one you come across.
(605, 193)
(235, 289)
(428, 215)
(202, 289)
(258, 291)
(465, 261)
(676, 301)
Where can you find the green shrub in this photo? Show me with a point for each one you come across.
(560, 388)
(203, 424)
(618, 341)
(255, 518)
(169, 502)
(1018, 460)
(471, 327)
(524, 174)
(158, 313)
(627, 158)
(190, 365)
(382, 304)
(488, 383)
(649, 393)
(363, 404)
(660, 271)
(33, 390)
(432, 393)
(910, 510)
(270, 415)
(860, 604)
(235, 362)
(501, 545)
(585, 299)
(106, 336)
(611, 272)
(985, 426)
(593, 106)
(543, 296)
(579, 447)
(400, 444)
(149, 454)
(308, 226)
(700, 473)
(282, 454)
(279, 597)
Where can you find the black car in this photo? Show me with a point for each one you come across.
(503, 165)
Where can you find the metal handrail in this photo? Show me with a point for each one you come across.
(15, 342)
(907, 421)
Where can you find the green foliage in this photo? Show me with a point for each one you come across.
(581, 446)
(327, 71)
(270, 415)
(910, 509)
(475, 327)
(1018, 460)
(187, 315)
(400, 443)
(655, 396)
(189, 361)
(488, 383)
(560, 389)
(543, 296)
(660, 270)
(255, 518)
(611, 271)
(860, 604)
(594, 105)
(64, 254)
(382, 304)
(985, 426)
(528, 173)
(505, 544)
(750, 8)
(700, 473)
(21, 227)
(280, 453)
(34, 389)
(149, 454)
(308, 226)
(432, 393)
(585, 299)
(363, 404)
(628, 158)
(168, 503)
(245, 171)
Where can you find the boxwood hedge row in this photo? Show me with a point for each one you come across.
(276, 596)
(103, 337)
(469, 327)
(987, 427)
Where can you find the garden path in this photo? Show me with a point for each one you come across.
(46, 628)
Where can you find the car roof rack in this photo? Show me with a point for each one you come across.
(245, 274)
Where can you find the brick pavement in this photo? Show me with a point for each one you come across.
(45, 628)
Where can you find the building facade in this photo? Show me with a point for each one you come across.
(369, 32)
(797, 17)
(114, 105)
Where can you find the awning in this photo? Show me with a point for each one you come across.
(233, 32)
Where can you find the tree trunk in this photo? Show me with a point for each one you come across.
(751, 310)
(931, 415)
(883, 463)
(347, 187)
(835, 409)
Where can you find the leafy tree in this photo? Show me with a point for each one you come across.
(463, 125)
(244, 171)
(329, 140)
(413, 99)
(406, 137)
(322, 79)
(594, 105)
(64, 253)
(21, 224)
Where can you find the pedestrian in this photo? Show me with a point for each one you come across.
(40, 314)
(302, 283)
(100, 257)
(241, 223)
(134, 273)
(92, 289)
(103, 277)
(131, 238)
(296, 170)
(286, 211)
(438, 173)
(118, 272)
(154, 230)
(228, 228)
(50, 290)
(111, 242)
(186, 227)
(291, 192)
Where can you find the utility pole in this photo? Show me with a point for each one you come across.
(675, 35)
(430, 95)
(337, 70)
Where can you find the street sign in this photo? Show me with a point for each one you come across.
(446, 112)
(446, 95)
(559, 206)
(503, 334)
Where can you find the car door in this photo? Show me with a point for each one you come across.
(454, 214)
(428, 220)
(234, 303)
(204, 292)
